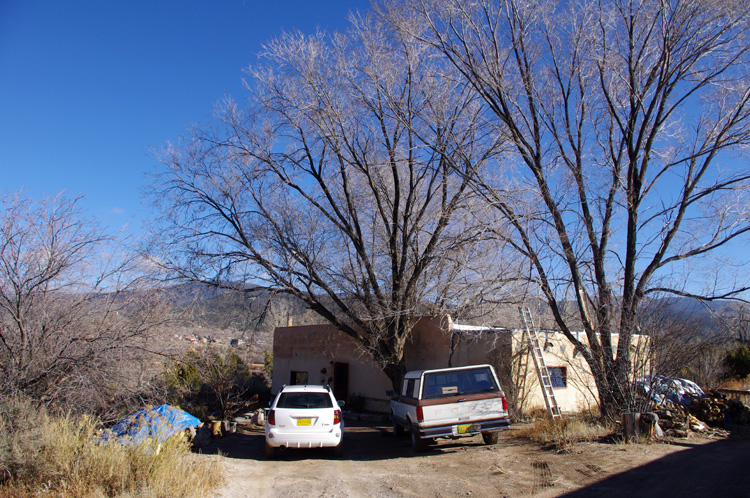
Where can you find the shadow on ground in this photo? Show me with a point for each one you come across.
(363, 441)
(718, 469)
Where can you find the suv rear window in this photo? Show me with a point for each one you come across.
(459, 382)
(304, 400)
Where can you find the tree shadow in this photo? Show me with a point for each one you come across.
(363, 441)
(717, 469)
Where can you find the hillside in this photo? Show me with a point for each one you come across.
(210, 315)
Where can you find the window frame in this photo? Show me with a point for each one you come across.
(409, 389)
(562, 378)
(295, 374)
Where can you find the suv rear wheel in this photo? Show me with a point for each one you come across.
(270, 451)
(338, 450)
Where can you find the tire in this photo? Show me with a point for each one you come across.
(417, 443)
(270, 451)
(490, 437)
(398, 431)
(338, 450)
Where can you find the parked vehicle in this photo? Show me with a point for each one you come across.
(450, 402)
(304, 417)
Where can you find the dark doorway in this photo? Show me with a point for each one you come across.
(341, 381)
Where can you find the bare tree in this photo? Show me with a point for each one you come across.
(735, 321)
(626, 119)
(685, 341)
(344, 183)
(73, 318)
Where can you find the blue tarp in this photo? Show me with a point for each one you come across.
(159, 423)
(673, 389)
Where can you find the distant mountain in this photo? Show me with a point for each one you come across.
(263, 311)
(705, 319)
(228, 308)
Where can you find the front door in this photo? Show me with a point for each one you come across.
(341, 381)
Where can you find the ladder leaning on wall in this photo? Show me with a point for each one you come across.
(545, 379)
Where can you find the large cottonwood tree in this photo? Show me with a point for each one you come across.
(626, 179)
(343, 181)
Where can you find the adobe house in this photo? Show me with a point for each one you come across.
(321, 354)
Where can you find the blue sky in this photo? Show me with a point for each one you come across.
(87, 88)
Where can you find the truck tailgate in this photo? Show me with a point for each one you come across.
(461, 412)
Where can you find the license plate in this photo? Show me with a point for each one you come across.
(464, 429)
(304, 421)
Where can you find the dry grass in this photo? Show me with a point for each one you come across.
(738, 384)
(43, 455)
(563, 434)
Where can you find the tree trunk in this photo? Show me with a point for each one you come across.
(611, 379)
(395, 372)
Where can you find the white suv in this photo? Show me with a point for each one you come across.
(304, 417)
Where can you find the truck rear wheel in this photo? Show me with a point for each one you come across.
(398, 431)
(417, 443)
(490, 437)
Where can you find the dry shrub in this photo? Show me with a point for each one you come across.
(737, 384)
(536, 414)
(21, 436)
(60, 456)
(563, 434)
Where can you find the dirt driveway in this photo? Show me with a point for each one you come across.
(377, 464)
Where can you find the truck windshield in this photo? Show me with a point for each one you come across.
(458, 382)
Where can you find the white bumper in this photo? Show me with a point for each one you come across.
(277, 438)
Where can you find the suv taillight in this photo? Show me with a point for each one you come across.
(420, 414)
(505, 404)
(336, 417)
(272, 417)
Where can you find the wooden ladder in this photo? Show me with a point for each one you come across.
(541, 366)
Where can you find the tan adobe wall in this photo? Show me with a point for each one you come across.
(314, 349)
(580, 393)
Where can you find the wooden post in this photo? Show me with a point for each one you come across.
(630, 423)
(639, 425)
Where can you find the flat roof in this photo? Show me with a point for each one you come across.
(459, 327)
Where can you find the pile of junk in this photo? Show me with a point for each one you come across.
(683, 407)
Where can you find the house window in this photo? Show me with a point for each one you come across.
(558, 376)
(298, 378)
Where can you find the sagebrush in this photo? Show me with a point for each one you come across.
(61, 455)
(562, 434)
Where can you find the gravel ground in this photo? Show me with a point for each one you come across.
(377, 464)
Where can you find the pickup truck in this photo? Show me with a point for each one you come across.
(450, 402)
